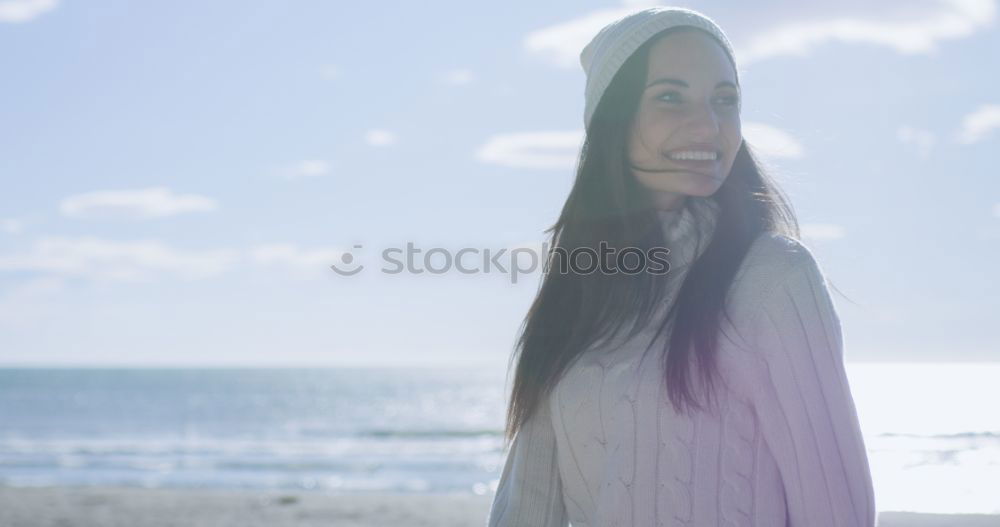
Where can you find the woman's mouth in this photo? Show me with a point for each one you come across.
(705, 162)
(694, 155)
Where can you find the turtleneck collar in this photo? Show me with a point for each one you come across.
(688, 229)
(687, 232)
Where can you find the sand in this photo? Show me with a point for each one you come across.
(133, 507)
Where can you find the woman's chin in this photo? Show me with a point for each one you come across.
(695, 185)
(702, 185)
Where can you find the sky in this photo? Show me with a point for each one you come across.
(178, 177)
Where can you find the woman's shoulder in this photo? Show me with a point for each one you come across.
(771, 258)
(772, 253)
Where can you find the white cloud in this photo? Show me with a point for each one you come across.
(107, 260)
(15, 11)
(952, 19)
(771, 142)
(380, 138)
(301, 262)
(145, 203)
(822, 231)
(996, 210)
(976, 125)
(307, 168)
(458, 77)
(11, 226)
(59, 258)
(547, 149)
(924, 140)
(329, 71)
(560, 44)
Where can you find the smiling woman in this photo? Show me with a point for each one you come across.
(686, 131)
(715, 393)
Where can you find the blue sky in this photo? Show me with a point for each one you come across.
(179, 176)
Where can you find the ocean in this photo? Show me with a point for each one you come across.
(932, 430)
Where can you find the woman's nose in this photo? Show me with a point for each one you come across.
(703, 123)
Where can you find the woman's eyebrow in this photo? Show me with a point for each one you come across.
(678, 82)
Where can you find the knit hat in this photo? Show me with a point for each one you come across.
(613, 45)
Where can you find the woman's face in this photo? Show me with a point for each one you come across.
(686, 131)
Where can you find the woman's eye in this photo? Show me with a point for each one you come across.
(669, 94)
(674, 97)
(731, 100)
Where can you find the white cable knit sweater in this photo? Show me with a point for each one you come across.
(607, 448)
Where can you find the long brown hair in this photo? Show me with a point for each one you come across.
(573, 310)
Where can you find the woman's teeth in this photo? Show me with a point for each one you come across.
(692, 155)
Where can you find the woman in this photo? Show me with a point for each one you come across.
(748, 419)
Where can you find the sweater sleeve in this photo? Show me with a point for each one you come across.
(803, 401)
(529, 493)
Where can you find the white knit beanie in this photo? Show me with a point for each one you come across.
(613, 45)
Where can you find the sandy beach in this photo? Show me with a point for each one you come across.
(133, 507)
